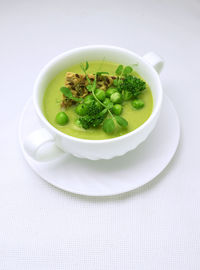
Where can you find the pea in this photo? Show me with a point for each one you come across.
(108, 103)
(117, 109)
(81, 109)
(137, 104)
(116, 97)
(62, 119)
(100, 94)
(88, 99)
(127, 95)
(110, 91)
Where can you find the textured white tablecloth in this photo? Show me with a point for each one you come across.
(154, 227)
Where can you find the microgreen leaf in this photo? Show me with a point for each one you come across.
(108, 125)
(101, 73)
(68, 94)
(84, 67)
(127, 70)
(115, 82)
(104, 111)
(119, 70)
(89, 87)
(121, 121)
(94, 84)
(109, 105)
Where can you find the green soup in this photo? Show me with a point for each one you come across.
(51, 106)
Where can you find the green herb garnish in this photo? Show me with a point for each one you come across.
(127, 70)
(101, 73)
(103, 108)
(68, 94)
(85, 66)
(108, 125)
(119, 70)
(121, 121)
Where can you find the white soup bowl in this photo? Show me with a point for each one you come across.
(147, 66)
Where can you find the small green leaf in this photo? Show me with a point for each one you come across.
(119, 70)
(88, 80)
(66, 91)
(82, 67)
(104, 111)
(89, 87)
(68, 94)
(127, 70)
(101, 73)
(108, 126)
(86, 65)
(121, 121)
(94, 83)
(109, 105)
(92, 86)
(115, 82)
(120, 82)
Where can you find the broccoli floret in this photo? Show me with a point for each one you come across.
(86, 121)
(133, 85)
(93, 120)
(94, 108)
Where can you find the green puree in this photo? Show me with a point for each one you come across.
(53, 95)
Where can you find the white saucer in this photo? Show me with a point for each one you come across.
(107, 177)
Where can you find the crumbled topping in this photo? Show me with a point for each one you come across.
(77, 84)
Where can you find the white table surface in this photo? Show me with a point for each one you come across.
(154, 227)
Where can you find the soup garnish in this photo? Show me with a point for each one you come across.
(100, 97)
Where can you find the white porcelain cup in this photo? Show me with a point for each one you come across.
(147, 66)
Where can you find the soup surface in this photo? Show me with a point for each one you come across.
(53, 97)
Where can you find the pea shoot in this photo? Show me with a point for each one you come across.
(108, 103)
(109, 126)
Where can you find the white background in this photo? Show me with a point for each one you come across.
(154, 227)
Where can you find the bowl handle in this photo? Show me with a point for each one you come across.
(36, 140)
(155, 60)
